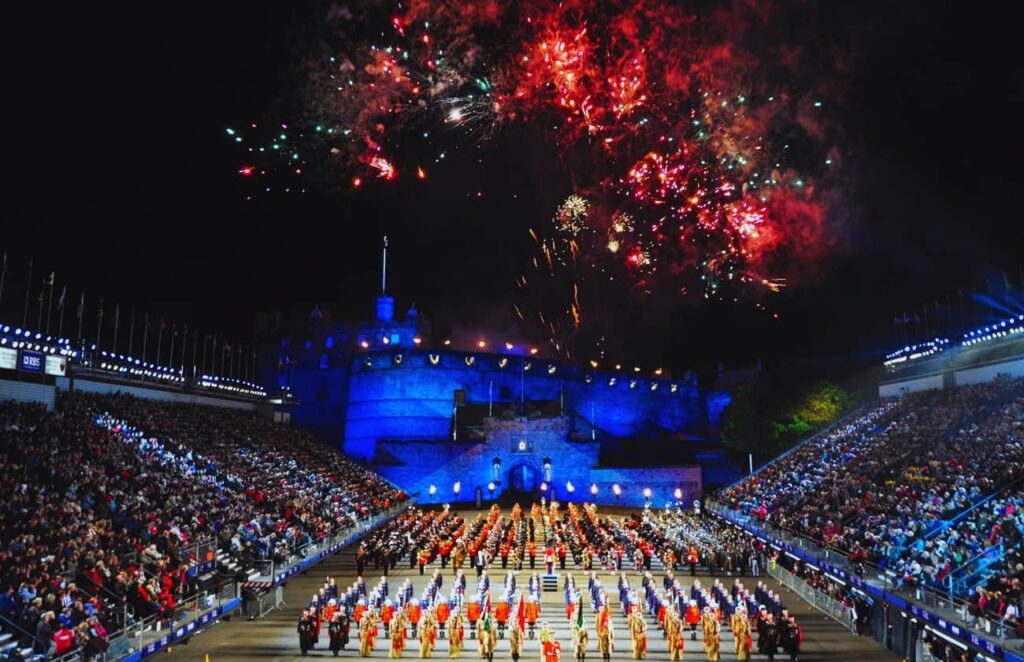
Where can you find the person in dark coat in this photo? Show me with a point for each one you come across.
(346, 624)
(44, 634)
(305, 630)
(768, 642)
(792, 638)
(334, 630)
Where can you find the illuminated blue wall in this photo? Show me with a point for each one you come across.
(394, 408)
(419, 465)
(409, 395)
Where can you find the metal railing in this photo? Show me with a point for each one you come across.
(825, 603)
(270, 570)
(152, 629)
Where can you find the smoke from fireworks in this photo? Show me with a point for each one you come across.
(700, 144)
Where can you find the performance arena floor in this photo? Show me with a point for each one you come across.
(274, 637)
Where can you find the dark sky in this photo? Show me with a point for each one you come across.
(119, 178)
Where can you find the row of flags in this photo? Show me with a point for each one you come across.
(45, 323)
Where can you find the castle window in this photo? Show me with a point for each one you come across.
(330, 342)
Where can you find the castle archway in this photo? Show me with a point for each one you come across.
(523, 477)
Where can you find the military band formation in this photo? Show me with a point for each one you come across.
(444, 620)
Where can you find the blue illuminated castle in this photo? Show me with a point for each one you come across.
(430, 417)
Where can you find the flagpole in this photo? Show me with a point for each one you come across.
(39, 317)
(195, 352)
(99, 323)
(184, 345)
(117, 322)
(28, 287)
(131, 332)
(145, 335)
(60, 306)
(81, 315)
(159, 340)
(49, 304)
(170, 357)
(205, 340)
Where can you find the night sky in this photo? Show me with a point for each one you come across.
(120, 179)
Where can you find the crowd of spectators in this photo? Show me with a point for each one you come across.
(102, 500)
(904, 484)
(265, 489)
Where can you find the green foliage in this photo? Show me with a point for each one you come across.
(769, 415)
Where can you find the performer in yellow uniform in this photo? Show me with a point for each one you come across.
(428, 634)
(581, 639)
(515, 641)
(455, 635)
(638, 633)
(674, 632)
(742, 634)
(367, 633)
(397, 632)
(712, 640)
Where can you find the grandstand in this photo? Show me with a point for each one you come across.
(912, 502)
(124, 516)
(142, 503)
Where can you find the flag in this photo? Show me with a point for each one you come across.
(579, 613)
(60, 301)
(521, 612)
(49, 279)
(41, 290)
(487, 613)
(81, 306)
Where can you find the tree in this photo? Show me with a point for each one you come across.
(770, 415)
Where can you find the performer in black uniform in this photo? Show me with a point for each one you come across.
(305, 630)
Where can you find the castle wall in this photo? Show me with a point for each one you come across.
(523, 448)
(413, 399)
